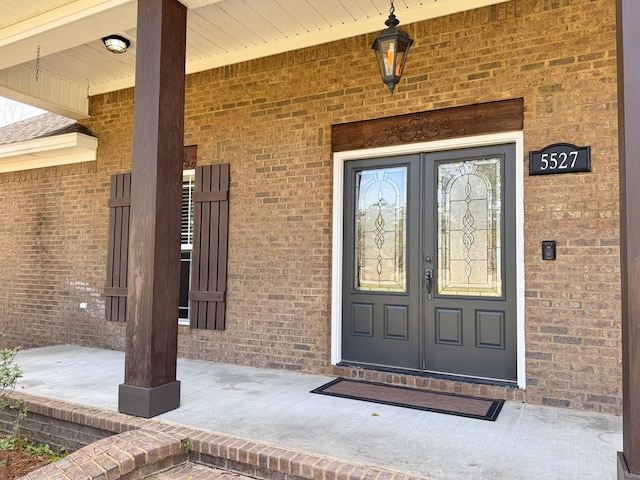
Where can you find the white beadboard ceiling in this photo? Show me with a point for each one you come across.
(219, 32)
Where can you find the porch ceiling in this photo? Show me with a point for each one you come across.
(74, 63)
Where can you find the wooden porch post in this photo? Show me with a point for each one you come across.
(628, 54)
(150, 386)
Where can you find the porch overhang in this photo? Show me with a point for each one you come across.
(63, 44)
(51, 151)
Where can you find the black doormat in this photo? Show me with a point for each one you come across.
(439, 402)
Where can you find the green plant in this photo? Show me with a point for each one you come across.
(44, 451)
(10, 372)
(186, 444)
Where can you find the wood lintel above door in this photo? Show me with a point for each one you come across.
(447, 123)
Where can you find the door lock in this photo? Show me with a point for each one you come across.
(428, 277)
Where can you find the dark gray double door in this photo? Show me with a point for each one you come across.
(429, 273)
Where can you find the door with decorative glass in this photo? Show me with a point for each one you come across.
(429, 275)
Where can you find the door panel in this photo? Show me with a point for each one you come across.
(470, 236)
(381, 278)
(448, 326)
(429, 262)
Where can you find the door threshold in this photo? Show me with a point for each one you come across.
(438, 376)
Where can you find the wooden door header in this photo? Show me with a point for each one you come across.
(455, 122)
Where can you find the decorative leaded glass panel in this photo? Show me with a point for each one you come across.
(380, 230)
(469, 221)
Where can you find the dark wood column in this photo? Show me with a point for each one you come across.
(628, 43)
(150, 386)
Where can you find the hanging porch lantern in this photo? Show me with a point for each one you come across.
(391, 48)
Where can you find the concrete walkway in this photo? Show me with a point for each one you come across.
(275, 407)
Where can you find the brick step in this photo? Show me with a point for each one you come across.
(460, 386)
(193, 471)
(151, 449)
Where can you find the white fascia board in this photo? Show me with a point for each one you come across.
(62, 149)
(193, 4)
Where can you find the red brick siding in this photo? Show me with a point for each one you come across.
(270, 119)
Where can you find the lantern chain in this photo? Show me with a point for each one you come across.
(38, 64)
(392, 10)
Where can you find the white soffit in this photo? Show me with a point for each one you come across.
(219, 32)
(49, 92)
(426, 11)
(63, 28)
(51, 151)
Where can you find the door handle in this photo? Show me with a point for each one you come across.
(428, 277)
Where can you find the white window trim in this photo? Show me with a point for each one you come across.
(187, 173)
(339, 160)
(186, 246)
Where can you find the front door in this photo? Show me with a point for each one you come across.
(429, 276)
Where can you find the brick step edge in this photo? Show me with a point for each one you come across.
(194, 471)
(128, 455)
(135, 447)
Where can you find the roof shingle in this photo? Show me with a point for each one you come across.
(45, 125)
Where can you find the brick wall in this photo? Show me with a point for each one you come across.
(43, 429)
(271, 118)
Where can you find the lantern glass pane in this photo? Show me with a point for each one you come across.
(400, 63)
(388, 53)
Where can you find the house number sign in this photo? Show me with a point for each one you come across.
(560, 158)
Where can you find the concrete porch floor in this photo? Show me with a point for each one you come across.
(275, 407)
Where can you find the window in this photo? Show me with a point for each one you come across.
(204, 247)
(186, 244)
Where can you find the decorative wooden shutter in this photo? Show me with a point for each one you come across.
(118, 249)
(210, 245)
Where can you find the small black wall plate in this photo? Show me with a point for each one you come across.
(548, 250)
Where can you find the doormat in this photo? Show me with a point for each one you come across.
(430, 401)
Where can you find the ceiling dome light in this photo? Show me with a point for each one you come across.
(116, 43)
